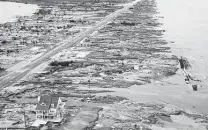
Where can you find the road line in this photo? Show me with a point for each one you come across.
(14, 76)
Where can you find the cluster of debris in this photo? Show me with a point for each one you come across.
(31, 36)
(133, 115)
(115, 56)
(128, 51)
(189, 79)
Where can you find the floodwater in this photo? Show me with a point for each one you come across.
(10, 10)
(186, 25)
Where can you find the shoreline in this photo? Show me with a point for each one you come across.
(172, 90)
(127, 52)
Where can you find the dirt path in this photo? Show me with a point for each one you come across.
(14, 76)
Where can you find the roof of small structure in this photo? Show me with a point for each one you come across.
(46, 101)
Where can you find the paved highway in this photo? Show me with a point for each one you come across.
(12, 77)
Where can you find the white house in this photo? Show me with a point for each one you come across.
(49, 107)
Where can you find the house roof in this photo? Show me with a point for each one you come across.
(46, 101)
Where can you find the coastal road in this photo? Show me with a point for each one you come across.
(11, 77)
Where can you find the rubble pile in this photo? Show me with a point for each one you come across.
(18, 115)
(118, 55)
(31, 36)
(128, 51)
(133, 115)
(111, 57)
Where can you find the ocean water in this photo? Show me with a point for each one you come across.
(186, 24)
(10, 10)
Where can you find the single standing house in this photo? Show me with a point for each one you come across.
(49, 107)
